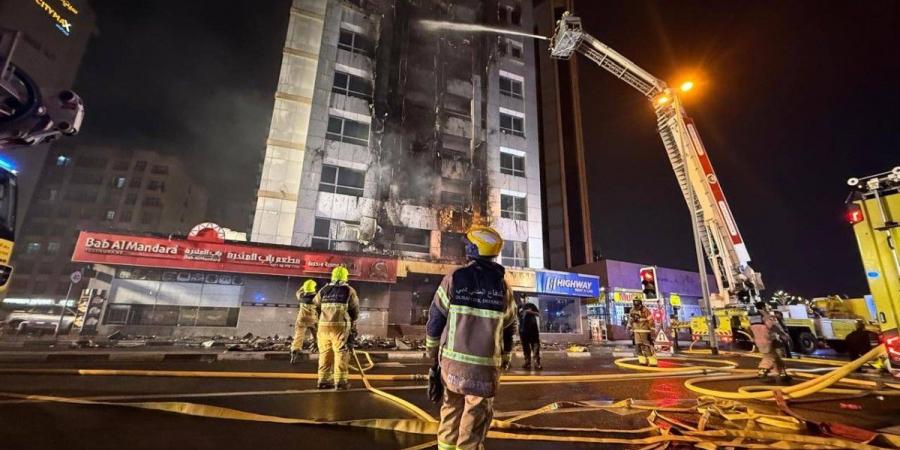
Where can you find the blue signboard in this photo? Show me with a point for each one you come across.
(566, 283)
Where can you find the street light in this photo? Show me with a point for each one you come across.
(686, 86)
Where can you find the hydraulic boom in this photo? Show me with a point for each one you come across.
(715, 226)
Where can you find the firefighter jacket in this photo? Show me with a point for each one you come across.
(640, 319)
(306, 315)
(470, 327)
(338, 307)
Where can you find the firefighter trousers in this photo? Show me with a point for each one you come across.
(465, 420)
(300, 330)
(531, 348)
(643, 346)
(334, 355)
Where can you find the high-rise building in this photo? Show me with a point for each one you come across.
(99, 189)
(391, 135)
(53, 41)
(566, 209)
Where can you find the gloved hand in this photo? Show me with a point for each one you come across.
(504, 361)
(351, 340)
(435, 384)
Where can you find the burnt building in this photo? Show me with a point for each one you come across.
(393, 133)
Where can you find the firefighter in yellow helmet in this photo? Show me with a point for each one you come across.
(338, 307)
(306, 317)
(469, 335)
(640, 322)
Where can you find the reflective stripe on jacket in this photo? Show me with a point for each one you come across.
(472, 321)
(640, 319)
(306, 315)
(338, 306)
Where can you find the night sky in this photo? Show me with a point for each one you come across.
(792, 99)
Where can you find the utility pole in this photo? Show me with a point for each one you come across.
(74, 278)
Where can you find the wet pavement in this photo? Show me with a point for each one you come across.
(48, 425)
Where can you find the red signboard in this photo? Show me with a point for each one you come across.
(194, 254)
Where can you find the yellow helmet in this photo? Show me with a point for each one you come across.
(340, 273)
(309, 286)
(483, 241)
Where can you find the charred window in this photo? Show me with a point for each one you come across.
(352, 85)
(328, 232)
(346, 130)
(413, 240)
(515, 254)
(510, 124)
(513, 207)
(512, 164)
(352, 42)
(453, 245)
(341, 180)
(510, 87)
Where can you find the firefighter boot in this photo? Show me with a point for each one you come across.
(537, 364)
(325, 385)
(762, 373)
(527, 365)
(783, 377)
(642, 360)
(651, 361)
(295, 356)
(343, 385)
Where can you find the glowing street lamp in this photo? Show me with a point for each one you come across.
(686, 86)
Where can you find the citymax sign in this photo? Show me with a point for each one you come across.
(207, 251)
(567, 283)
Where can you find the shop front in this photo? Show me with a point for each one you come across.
(203, 285)
(563, 298)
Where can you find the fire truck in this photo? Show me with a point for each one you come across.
(873, 209)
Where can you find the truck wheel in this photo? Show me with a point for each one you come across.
(805, 342)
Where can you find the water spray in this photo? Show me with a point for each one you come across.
(435, 25)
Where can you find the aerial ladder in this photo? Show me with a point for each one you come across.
(714, 226)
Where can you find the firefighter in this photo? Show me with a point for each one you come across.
(768, 336)
(306, 317)
(338, 307)
(469, 335)
(530, 335)
(640, 321)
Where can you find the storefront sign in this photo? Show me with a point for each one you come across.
(675, 300)
(566, 283)
(118, 249)
(521, 280)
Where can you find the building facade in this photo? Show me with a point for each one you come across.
(391, 136)
(98, 188)
(621, 282)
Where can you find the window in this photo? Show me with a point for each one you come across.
(152, 201)
(513, 207)
(453, 245)
(121, 165)
(512, 164)
(352, 86)
(341, 180)
(515, 50)
(346, 130)
(135, 182)
(148, 218)
(352, 42)
(131, 199)
(328, 232)
(511, 15)
(510, 87)
(119, 182)
(33, 248)
(110, 214)
(154, 185)
(413, 240)
(125, 217)
(140, 166)
(52, 248)
(159, 169)
(453, 199)
(63, 161)
(510, 124)
(515, 254)
(91, 162)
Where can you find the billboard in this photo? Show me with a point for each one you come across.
(567, 283)
(230, 257)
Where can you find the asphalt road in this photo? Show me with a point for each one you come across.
(51, 425)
